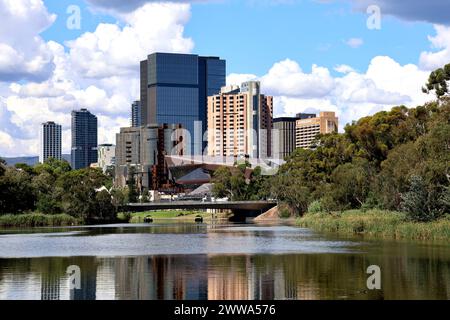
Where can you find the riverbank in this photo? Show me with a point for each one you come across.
(377, 223)
(37, 220)
(182, 216)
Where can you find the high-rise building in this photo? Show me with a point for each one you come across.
(284, 129)
(50, 137)
(136, 114)
(106, 156)
(174, 89)
(84, 139)
(308, 129)
(144, 149)
(240, 122)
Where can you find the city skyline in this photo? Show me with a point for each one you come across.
(341, 67)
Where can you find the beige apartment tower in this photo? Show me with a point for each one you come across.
(308, 129)
(240, 122)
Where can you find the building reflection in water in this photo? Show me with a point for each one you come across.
(198, 277)
(161, 278)
(224, 277)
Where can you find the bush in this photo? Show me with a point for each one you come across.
(37, 220)
(285, 211)
(419, 203)
(315, 207)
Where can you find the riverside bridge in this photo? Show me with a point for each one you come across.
(240, 209)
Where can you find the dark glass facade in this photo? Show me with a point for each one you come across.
(136, 114)
(84, 139)
(177, 89)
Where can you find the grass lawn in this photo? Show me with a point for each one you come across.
(169, 214)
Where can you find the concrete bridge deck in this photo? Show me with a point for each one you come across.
(241, 209)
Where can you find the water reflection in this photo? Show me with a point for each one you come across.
(409, 271)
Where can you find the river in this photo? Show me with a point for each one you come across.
(216, 262)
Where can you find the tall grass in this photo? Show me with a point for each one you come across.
(37, 220)
(377, 223)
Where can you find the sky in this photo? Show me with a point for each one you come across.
(354, 57)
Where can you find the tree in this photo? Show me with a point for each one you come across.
(438, 81)
(79, 192)
(53, 166)
(2, 166)
(131, 183)
(416, 202)
(119, 197)
(16, 192)
(228, 183)
(105, 210)
(48, 200)
(26, 168)
(351, 183)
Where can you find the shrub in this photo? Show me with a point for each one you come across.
(315, 207)
(419, 203)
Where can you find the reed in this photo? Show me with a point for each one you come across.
(37, 220)
(377, 223)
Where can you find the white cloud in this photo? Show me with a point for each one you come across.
(352, 95)
(100, 71)
(287, 78)
(343, 68)
(113, 50)
(238, 79)
(354, 42)
(23, 53)
(437, 59)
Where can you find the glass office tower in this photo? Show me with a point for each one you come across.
(136, 114)
(84, 139)
(178, 86)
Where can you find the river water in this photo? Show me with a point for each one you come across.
(216, 262)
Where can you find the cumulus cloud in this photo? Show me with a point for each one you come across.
(441, 41)
(24, 55)
(238, 79)
(287, 78)
(114, 50)
(351, 95)
(99, 71)
(343, 68)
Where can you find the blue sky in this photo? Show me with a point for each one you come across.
(252, 35)
(310, 55)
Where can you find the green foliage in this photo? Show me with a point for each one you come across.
(315, 207)
(145, 196)
(438, 81)
(37, 220)
(52, 188)
(284, 212)
(2, 166)
(133, 194)
(232, 183)
(16, 192)
(119, 197)
(370, 165)
(419, 203)
(377, 223)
